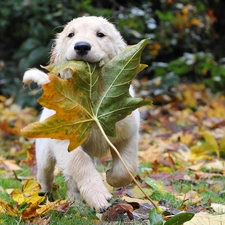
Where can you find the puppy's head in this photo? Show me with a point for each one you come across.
(91, 39)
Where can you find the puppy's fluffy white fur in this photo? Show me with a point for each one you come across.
(84, 182)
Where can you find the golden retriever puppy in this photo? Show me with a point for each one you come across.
(91, 39)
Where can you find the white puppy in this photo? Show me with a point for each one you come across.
(92, 39)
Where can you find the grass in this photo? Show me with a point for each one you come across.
(210, 190)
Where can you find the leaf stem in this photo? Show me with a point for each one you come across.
(124, 164)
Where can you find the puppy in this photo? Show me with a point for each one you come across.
(95, 40)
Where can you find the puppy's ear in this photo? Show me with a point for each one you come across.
(121, 44)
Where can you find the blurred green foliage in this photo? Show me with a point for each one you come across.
(185, 42)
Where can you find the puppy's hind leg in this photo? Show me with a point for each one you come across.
(118, 176)
(127, 145)
(45, 164)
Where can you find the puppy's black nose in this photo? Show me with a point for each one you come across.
(82, 48)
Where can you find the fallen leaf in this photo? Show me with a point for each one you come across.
(10, 165)
(203, 175)
(30, 211)
(156, 185)
(219, 208)
(215, 165)
(152, 154)
(212, 143)
(116, 212)
(62, 206)
(6, 208)
(138, 200)
(45, 220)
(30, 159)
(197, 166)
(191, 196)
(204, 218)
(48, 206)
(29, 194)
(188, 98)
(137, 193)
(6, 128)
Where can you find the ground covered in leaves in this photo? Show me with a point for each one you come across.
(181, 155)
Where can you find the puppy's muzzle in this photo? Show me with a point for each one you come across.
(82, 48)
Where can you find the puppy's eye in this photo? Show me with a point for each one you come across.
(70, 35)
(99, 34)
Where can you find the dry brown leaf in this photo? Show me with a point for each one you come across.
(30, 211)
(203, 175)
(48, 206)
(10, 165)
(45, 220)
(152, 155)
(116, 212)
(197, 166)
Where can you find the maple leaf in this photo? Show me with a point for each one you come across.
(29, 194)
(93, 95)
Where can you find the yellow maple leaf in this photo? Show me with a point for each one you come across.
(29, 194)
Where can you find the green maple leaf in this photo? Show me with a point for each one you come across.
(93, 95)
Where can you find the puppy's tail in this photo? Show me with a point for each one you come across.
(35, 75)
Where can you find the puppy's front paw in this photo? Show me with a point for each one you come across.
(102, 205)
(35, 75)
(97, 197)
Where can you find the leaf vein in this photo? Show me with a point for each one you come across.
(99, 105)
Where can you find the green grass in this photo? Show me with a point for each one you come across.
(212, 190)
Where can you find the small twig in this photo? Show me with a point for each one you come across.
(16, 177)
